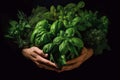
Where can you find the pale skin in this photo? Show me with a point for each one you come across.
(40, 59)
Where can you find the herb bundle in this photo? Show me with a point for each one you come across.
(61, 31)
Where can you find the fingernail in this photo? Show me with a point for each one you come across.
(46, 55)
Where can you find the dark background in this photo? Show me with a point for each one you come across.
(14, 66)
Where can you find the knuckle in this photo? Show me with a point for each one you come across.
(38, 60)
(47, 62)
(34, 47)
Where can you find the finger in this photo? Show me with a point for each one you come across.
(34, 55)
(90, 53)
(38, 58)
(38, 51)
(45, 61)
(40, 65)
(60, 70)
(71, 67)
(78, 63)
(85, 52)
(78, 59)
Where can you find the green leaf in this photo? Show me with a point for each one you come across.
(39, 9)
(13, 23)
(77, 42)
(59, 8)
(63, 47)
(27, 26)
(53, 9)
(48, 47)
(70, 32)
(81, 4)
(73, 50)
(69, 7)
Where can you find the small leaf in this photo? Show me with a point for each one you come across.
(27, 26)
(13, 23)
(52, 9)
(81, 4)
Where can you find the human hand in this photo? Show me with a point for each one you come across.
(74, 63)
(38, 57)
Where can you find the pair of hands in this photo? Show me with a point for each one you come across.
(37, 56)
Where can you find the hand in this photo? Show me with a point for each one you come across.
(74, 63)
(38, 57)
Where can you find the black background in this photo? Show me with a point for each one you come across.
(14, 66)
